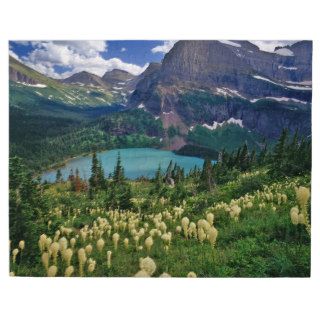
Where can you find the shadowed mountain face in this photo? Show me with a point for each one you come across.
(208, 82)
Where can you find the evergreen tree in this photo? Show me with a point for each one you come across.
(158, 179)
(93, 180)
(58, 176)
(244, 158)
(206, 179)
(118, 173)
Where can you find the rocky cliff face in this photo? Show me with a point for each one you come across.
(202, 82)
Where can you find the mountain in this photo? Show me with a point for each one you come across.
(31, 88)
(115, 76)
(210, 83)
(85, 78)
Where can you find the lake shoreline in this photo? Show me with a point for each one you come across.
(137, 162)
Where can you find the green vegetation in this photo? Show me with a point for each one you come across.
(45, 140)
(238, 218)
(228, 137)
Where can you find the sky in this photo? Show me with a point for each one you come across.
(61, 59)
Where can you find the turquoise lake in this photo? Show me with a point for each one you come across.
(137, 162)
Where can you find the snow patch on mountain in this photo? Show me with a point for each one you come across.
(284, 52)
(279, 99)
(215, 124)
(229, 92)
(141, 106)
(287, 68)
(38, 85)
(230, 43)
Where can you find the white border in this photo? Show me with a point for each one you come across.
(158, 298)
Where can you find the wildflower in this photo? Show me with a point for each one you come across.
(147, 265)
(294, 215)
(67, 255)
(82, 260)
(148, 243)
(191, 274)
(109, 254)
(52, 271)
(88, 249)
(235, 212)
(192, 230)
(303, 195)
(69, 271)
(115, 239)
(210, 218)
(100, 244)
(48, 243)
(185, 224)
(42, 242)
(201, 235)
(12, 274)
(212, 235)
(54, 249)
(45, 260)
(21, 245)
(301, 218)
(72, 242)
(126, 243)
(63, 244)
(142, 274)
(14, 255)
(91, 267)
(165, 275)
(178, 229)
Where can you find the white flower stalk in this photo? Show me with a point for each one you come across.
(303, 195)
(149, 243)
(14, 255)
(42, 242)
(91, 267)
(12, 274)
(185, 225)
(82, 260)
(191, 274)
(301, 218)
(45, 260)
(126, 243)
(100, 244)
(115, 239)
(48, 243)
(142, 274)
(165, 275)
(178, 229)
(21, 245)
(109, 255)
(147, 265)
(52, 271)
(72, 242)
(54, 249)
(67, 256)
(201, 235)
(69, 271)
(212, 236)
(192, 231)
(63, 244)
(235, 212)
(88, 249)
(210, 218)
(294, 215)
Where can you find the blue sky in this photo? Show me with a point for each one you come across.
(61, 59)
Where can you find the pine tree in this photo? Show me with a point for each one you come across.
(118, 173)
(93, 180)
(158, 179)
(244, 158)
(58, 176)
(206, 178)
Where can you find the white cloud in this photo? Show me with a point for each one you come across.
(166, 47)
(77, 56)
(269, 45)
(14, 55)
(123, 49)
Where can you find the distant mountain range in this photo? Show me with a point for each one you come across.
(204, 92)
